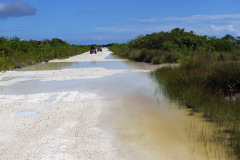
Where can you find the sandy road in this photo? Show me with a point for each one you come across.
(37, 126)
(63, 122)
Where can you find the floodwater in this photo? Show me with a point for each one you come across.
(25, 113)
(14, 77)
(139, 120)
(91, 64)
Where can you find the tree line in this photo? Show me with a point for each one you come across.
(16, 53)
(176, 45)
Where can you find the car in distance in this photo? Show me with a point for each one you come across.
(99, 48)
(93, 49)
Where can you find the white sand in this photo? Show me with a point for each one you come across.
(67, 74)
(62, 128)
(58, 125)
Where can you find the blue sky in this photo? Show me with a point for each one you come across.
(115, 21)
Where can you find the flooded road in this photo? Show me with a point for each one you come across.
(135, 120)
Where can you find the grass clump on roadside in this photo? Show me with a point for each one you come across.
(17, 53)
(207, 85)
(153, 56)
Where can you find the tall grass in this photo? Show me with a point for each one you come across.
(224, 77)
(153, 56)
(203, 84)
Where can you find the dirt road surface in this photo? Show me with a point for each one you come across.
(36, 127)
(39, 121)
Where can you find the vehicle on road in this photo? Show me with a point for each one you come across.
(93, 49)
(99, 48)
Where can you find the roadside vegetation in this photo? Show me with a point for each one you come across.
(207, 79)
(212, 88)
(17, 53)
(176, 46)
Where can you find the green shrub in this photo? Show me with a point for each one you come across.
(177, 45)
(15, 53)
(170, 46)
(224, 77)
(5, 64)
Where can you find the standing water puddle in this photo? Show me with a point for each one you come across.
(25, 113)
(91, 64)
(4, 79)
(52, 98)
(139, 120)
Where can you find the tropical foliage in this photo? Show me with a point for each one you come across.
(177, 45)
(16, 53)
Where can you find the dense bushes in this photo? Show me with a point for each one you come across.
(15, 53)
(176, 45)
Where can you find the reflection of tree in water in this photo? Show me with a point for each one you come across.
(142, 65)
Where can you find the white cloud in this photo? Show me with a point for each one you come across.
(217, 25)
(191, 19)
(223, 28)
(15, 9)
(204, 17)
(211, 25)
(145, 20)
(217, 28)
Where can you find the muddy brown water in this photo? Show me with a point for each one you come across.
(139, 121)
